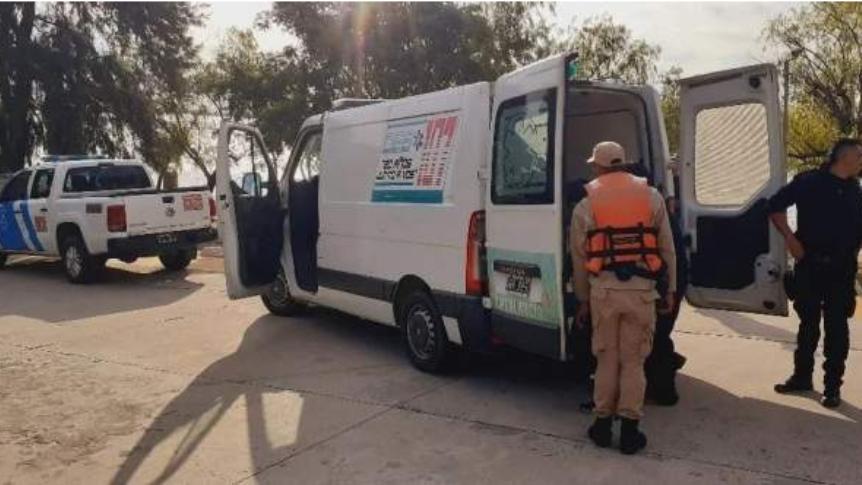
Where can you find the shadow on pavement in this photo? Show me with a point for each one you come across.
(711, 424)
(745, 325)
(29, 284)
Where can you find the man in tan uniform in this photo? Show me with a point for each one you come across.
(621, 243)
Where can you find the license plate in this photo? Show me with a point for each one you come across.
(166, 239)
(518, 283)
(193, 202)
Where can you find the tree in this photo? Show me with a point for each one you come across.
(97, 74)
(18, 128)
(826, 77)
(392, 50)
(670, 106)
(608, 51)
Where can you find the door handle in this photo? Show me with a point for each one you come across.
(43, 210)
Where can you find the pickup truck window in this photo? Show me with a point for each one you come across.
(42, 184)
(106, 177)
(16, 189)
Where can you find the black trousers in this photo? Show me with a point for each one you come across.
(825, 289)
(661, 365)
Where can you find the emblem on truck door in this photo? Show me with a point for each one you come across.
(170, 211)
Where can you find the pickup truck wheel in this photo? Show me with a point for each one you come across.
(2, 260)
(178, 260)
(424, 335)
(79, 265)
(278, 300)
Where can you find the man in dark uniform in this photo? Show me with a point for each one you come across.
(664, 362)
(825, 246)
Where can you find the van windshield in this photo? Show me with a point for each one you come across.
(106, 177)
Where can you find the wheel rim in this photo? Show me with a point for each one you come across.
(73, 261)
(279, 295)
(420, 332)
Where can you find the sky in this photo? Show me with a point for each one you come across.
(699, 37)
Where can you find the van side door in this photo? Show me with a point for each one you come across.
(731, 162)
(523, 210)
(250, 213)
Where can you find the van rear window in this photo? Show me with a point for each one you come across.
(106, 177)
(523, 167)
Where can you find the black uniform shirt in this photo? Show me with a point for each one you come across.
(828, 212)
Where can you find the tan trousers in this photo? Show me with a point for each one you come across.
(623, 327)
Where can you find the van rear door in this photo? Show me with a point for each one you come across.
(523, 210)
(249, 211)
(731, 162)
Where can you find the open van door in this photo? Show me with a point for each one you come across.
(731, 162)
(523, 210)
(249, 211)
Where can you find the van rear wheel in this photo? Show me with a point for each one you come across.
(424, 335)
(278, 300)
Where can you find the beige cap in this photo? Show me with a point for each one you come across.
(608, 154)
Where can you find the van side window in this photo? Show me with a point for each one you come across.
(16, 189)
(523, 166)
(308, 165)
(42, 184)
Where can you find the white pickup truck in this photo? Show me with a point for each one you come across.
(86, 210)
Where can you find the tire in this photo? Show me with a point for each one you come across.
(424, 335)
(278, 301)
(80, 267)
(178, 260)
(3, 260)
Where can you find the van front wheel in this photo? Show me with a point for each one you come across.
(278, 300)
(424, 335)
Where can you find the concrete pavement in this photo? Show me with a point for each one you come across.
(151, 377)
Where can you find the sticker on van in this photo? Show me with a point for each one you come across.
(414, 162)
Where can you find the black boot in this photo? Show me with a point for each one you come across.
(632, 439)
(831, 398)
(665, 394)
(794, 384)
(600, 432)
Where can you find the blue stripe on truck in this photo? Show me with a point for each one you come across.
(10, 234)
(31, 229)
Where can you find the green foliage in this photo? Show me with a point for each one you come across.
(826, 77)
(608, 51)
(670, 106)
(101, 74)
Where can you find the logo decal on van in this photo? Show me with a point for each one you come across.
(414, 162)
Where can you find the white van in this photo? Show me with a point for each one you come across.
(446, 214)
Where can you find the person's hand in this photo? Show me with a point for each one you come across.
(795, 247)
(582, 316)
(667, 304)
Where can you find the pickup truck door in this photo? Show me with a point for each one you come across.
(524, 209)
(40, 212)
(16, 228)
(249, 211)
(731, 162)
